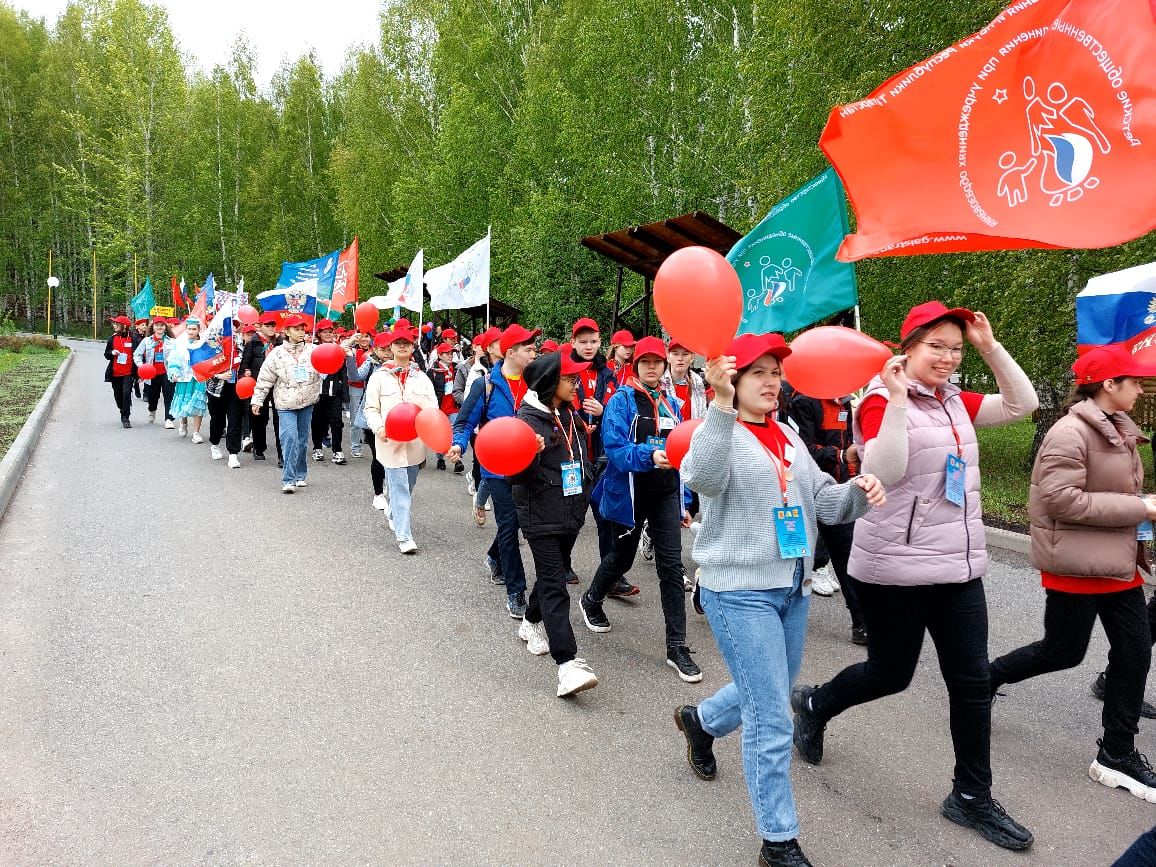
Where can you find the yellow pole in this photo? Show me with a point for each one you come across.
(135, 288)
(94, 293)
(48, 324)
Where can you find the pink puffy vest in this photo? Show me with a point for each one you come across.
(919, 537)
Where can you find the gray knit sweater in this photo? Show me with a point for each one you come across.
(737, 547)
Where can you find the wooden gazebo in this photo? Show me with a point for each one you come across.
(642, 249)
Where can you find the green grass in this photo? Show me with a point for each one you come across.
(1003, 461)
(23, 377)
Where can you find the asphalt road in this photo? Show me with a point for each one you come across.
(197, 669)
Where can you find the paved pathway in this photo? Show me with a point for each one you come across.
(197, 669)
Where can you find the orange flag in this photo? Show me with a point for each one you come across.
(345, 281)
(1037, 131)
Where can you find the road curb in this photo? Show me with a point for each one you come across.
(16, 461)
(1020, 543)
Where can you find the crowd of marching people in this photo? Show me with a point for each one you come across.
(886, 489)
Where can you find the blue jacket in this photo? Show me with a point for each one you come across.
(501, 405)
(614, 492)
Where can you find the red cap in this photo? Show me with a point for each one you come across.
(120, 320)
(249, 329)
(549, 346)
(747, 348)
(268, 317)
(584, 324)
(924, 314)
(402, 323)
(1109, 362)
(569, 365)
(157, 319)
(675, 342)
(385, 338)
(445, 347)
(172, 320)
(625, 338)
(295, 321)
(648, 346)
(487, 337)
(142, 321)
(322, 324)
(514, 335)
(408, 333)
(449, 334)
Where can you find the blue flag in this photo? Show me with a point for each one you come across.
(143, 301)
(210, 293)
(300, 285)
(787, 262)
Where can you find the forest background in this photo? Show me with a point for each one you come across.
(548, 120)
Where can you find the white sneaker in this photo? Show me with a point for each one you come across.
(318, 455)
(534, 634)
(302, 484)
(197, 439)
(234, 462)
(152, 417)
(183, 429)
(388, 517)
(247, 444)
(823, 583)
(380, 502)
(215, 452)
(470, 488)
(409, 546)
(338, 458)
(355, 451)
(575, 676)
(169, 424)
(289, 489)
(489, 506)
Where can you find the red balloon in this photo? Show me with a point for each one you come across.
(248, 314)
(366, 316)
(246, 385)
(699, 299)
(146, 371)
(832, 361)
(506, 446)
(678, 441)
(327, 358)
(401, 422)
(433, 426)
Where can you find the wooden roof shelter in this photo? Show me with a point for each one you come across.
(643, 249)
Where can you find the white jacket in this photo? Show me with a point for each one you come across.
(383, 392)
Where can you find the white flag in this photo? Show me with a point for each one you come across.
(408, 292)
(464, 282)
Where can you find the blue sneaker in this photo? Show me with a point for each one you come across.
(516, 605)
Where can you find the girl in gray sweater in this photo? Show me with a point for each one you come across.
(762, 495)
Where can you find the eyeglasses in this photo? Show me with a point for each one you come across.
(942, 351)
(572, 379)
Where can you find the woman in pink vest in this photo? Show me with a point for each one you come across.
(920, 560)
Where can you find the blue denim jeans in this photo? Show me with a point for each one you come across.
(761, 635)
(400, 482)
(295, 427)
(504, 548)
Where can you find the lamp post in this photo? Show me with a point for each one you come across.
(53, 282)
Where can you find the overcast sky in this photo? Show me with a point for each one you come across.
(206, 29)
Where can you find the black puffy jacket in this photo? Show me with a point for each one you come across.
(537, 490)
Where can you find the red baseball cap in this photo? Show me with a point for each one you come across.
(515, 335)
(1109, 362)
(584, 324)
(445, 347)
(549, 345)
(449, 334)
(569, 365)
(399, 333)
(624, 338)
(268, 317)
(747, 348)
(157, 319)
(930, 311)
(172, 320)
(403, 323)
(322, 324)
(487, 337)
(249, 329)
(674, 342)
(295, 321)
(648, 346)
(142, 321)
(120, 320)
(385, 338)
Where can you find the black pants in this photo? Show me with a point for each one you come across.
(662, 515)
(225, 415)
(160, 385)
(327, 420)
(837, 538)
(504, 549)
(259, 427)
(549, 602)
(1068, 622)
(122, 394)
(955, 615)
(376, 470)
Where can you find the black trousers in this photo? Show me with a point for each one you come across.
(662, 516)
(327, 420)
(160, 385)
(376, 470)
(259, 427)
(122, 394)
(225, 415)
(1068, 622)
(549, 602)
(837, 538)
(955, 615)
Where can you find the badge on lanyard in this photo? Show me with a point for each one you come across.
(656, 443)
(843, 416)
(1144, 531)
(791, 531)
(121, 358)
(300, 373)
(665, 423)
(956, 473)
(571, 478)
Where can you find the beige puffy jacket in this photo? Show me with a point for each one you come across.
(277, 374)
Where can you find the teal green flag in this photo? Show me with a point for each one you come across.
(787, 262)
(143, 301)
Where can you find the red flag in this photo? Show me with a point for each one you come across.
(1037, 131)
(345, 280)
(177, 300)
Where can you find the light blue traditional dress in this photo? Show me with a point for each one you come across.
(189, 399)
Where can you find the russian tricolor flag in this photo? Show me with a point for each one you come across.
(1119, 308)
(213, 356)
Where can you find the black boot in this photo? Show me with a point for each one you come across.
(809, 728)
(699, 745)
(784, 854)
(441, 463)
(1130, 771)
(987, 816)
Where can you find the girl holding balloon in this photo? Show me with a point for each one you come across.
(152, 350)
(373, 360)
(189, 400)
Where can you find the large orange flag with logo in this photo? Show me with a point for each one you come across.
(1037, 131)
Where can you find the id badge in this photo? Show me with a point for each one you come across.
(656, 443)
(956, 472)
(1144, 531)
(300, 374)
(791, 532)
(665, 423)
(571, 479)
(843, 416)
(121, 358)
(159, 356)
(449, 389)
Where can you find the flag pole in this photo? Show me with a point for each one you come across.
(94, 293)
(48, 325)
(489, 230)
(858, 323)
